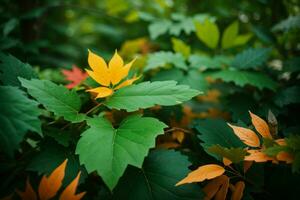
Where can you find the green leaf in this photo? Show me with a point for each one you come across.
(161, 170)
(242, 78)
(242, 39)
(148, 94)
(274, 150)
(162, 58)
(108, 151)
(292, 65)
(180, 47)
(55, 98)
(251, 58)
(292, 22)
(236, 155)
(18, 115)
(205, 62)
(11, 68)
(51, 156)
(159, 28)
(193, 78)
(215, 131)
(296, 163)
(208, 33)
(289, 95)
(293, 141)
(10, 25)
(229, 35)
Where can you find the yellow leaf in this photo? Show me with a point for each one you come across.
(213, 186)
(285, 156)
(237, 194)
(221, 194)
(247, 136)
(100, 72)
(70, 190)
(258, 156)
(209, 171)
(127, 82)
(29, 193)
(101, 92)
(261, 126)
(50, 185)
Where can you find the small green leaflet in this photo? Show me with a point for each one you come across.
(208, 33)
(242, 78)
(230, 35)
(235, 155)
(55, 98)
(292, 22)
(161, 170)
(108, 151)
(203, 62)
(251, 58)
(162, 58)
(148, 94)
(180, 47)
(18, 115)
(11, 68)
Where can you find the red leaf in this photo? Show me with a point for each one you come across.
(76, 76)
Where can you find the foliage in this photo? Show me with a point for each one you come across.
(144, 99)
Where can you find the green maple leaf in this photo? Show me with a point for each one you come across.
(55, 98)
(108, 151)
(161, 170)
(18, 115)
(148, 94)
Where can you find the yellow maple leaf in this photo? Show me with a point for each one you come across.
(108, 76)
(204, 172)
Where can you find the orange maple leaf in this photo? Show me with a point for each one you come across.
(69, 192)
(75, 75)
(50, 185)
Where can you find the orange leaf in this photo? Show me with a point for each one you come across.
(178, 135)
(76, 76)
(247, 136)
(258, 156)
(285, 156)
(226, 161)
(281, 142)
(202, 173)
(237, 194)
(29, 193)
(261, 126)
(221, 194)
(50, 185)
(69, 192)
(213, 186)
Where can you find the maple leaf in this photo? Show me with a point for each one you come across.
(109, 76)
(204, 172)
(75, 75)
(247, 136)
(29, 193)
(69, 192)
(261, 126)
(50, 185)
